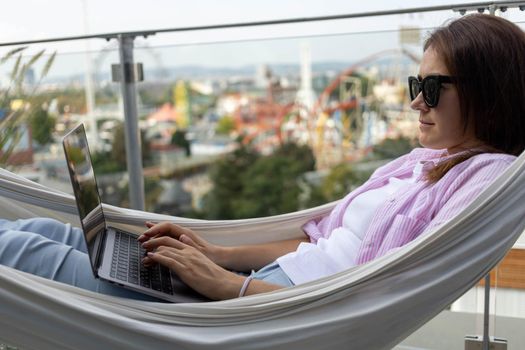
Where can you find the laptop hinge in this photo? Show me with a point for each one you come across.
(99, 250)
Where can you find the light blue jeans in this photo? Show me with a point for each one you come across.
(272, 273)
(57, 251)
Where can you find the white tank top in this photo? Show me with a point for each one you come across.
(337, 252)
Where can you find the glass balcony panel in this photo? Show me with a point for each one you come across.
(204, 89)
(64, 95)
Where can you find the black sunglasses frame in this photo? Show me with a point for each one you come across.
(431, 99)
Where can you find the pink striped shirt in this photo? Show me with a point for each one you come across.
(421, 207)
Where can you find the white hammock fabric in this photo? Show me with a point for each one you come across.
(373, 306)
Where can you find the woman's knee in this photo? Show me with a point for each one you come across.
(30, 252)
(42, 226)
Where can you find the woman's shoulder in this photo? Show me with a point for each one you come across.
(482, 165)
(422, 154)
(493, 158)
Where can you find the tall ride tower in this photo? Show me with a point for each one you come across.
(306, 95)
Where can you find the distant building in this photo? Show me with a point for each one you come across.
(161, 125)
(262, 76)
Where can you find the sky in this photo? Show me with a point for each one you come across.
(22, 20)
(31, 19)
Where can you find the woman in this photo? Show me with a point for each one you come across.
(470, 95)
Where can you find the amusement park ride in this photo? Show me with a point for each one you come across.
(330, 124)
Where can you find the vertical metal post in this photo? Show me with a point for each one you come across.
(132, 135)
(88, 76)
(486, 339)
(485, 342)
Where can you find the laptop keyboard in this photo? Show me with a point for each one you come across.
(126, 265)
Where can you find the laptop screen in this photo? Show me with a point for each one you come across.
(85, 189)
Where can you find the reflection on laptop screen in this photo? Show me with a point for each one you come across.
(85, 187)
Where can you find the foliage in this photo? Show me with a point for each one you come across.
(115, 160)
(301, 156)
(118, 149)
(179, 139)
(42, 125)
(118, 146)
(152, 191)
(269, 188)
(249, 185)
(392, 148)
(13, 124)
(342, 179)
(103, 163)
(227, 182)
(225, 125)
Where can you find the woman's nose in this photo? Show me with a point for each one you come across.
(418, 104)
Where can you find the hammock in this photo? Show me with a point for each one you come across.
(372, 306)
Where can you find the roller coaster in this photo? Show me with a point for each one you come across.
(335, 121)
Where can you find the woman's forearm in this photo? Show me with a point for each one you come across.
(253, 257)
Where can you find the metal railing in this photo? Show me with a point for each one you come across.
(129, 95)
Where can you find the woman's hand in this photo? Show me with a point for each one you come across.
(167, 229)
(193, 267)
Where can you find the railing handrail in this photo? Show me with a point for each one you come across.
(145, 33)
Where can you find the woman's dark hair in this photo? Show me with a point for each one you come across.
(487, 55)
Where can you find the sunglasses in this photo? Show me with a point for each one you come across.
(430, 86)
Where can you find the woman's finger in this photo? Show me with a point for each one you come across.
(188, 241)
(167, 259)
(150, 224)
(155, 243)
(160, 229)
(163, 250)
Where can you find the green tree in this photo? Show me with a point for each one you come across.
(393, 148)
(115, 160)
(225, 125)
(118, 147)
(42, 125)
(342, 179)
(179, 139)
(269, 187)
(301, 156)
(249, 185)
(103, 163)
(226, 175)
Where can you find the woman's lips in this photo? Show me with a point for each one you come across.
(424, 126)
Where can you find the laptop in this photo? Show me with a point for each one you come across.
(115, 255)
